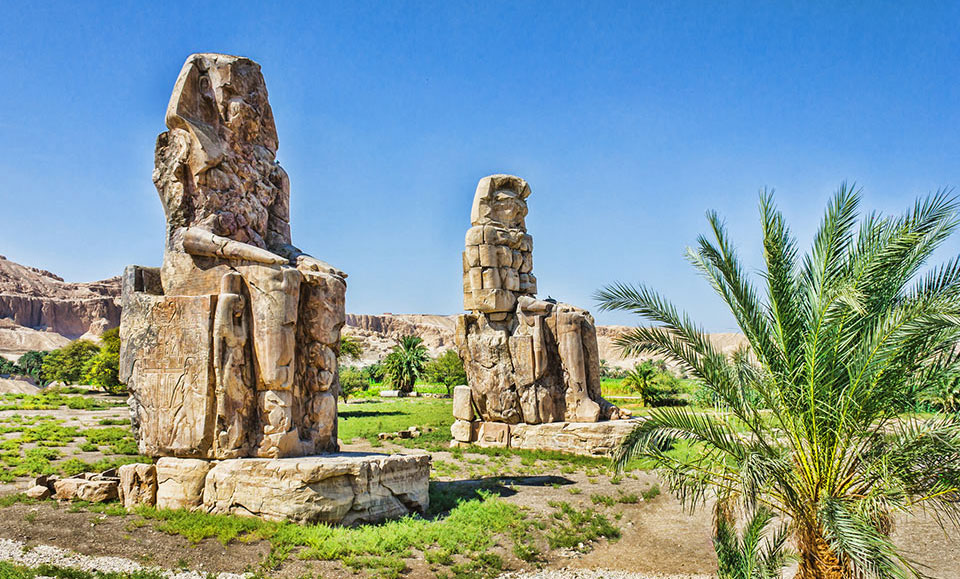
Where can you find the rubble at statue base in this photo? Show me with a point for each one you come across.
(230, 348)
(532, 365)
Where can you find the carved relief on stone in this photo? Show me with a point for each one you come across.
(263, 318)
(527, 360)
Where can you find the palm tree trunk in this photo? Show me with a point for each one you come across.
(817, 559)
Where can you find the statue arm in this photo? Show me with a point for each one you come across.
(305, 262)
(197, 241)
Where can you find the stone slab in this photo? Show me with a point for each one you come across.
(343, 488)
(585, 438)
(462, 403)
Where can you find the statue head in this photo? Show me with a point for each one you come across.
(222, 101)
(500, 200)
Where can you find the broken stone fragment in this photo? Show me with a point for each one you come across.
(138, 485)
(91, 491)
(38, 492)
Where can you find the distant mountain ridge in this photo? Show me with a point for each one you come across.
(40, 311)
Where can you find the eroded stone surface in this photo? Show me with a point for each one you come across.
(230, 347)
(180, 482)
(345, 488)
(527, 360)
(586, 438)
(98, 490)
(138, 485)
(462, 403)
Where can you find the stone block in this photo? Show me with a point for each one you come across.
(138, 485)
(493, 435)
(585, 438)
(464, 431)
(180, 482)
(91, 491)
(389, 393)
(491, 278)
(462, 403)
(172, 381)
(38, 492)
(474, 236)
(344, 488)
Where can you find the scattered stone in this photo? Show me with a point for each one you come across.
(38, 492)
(82, 489)
(389, 393)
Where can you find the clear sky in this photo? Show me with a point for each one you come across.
(628, 120)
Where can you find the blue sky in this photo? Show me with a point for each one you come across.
(629, 121)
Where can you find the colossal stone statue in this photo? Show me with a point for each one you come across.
(527, 360)
(229, 349)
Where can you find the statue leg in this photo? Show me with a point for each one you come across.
(274, 295)
(580, 408)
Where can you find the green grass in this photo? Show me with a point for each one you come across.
(52, 398)
(369, 419)
(470, 528)
(573, 528)
(11, 571)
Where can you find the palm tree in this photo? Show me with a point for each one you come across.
(406, 362)
(750, 555)
(843, 340)
(638, 379)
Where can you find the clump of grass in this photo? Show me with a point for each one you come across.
(471, 528)
(11, 571)
(604, 500)
(573, 528)
(651, 493)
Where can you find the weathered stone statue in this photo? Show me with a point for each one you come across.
(229, 349)
(232, 379)
(527, 360)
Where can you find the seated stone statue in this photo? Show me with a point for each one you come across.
(230, 348)
(527, 360)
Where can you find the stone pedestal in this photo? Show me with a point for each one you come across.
(345, 488)
(586, 438)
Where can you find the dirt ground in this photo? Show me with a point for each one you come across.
(657, 536)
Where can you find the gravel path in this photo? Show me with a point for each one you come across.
(16, 552)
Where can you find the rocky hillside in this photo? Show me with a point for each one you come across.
(40, 311)
(379, 333)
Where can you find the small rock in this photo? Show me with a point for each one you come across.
(38, 492)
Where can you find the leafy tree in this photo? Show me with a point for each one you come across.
(351, 381)
(103, 369)
(350, 348)
(32, 363)
(750, 555)
(843, 338)
(405, 363)
(446, 369)
(66, 364)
